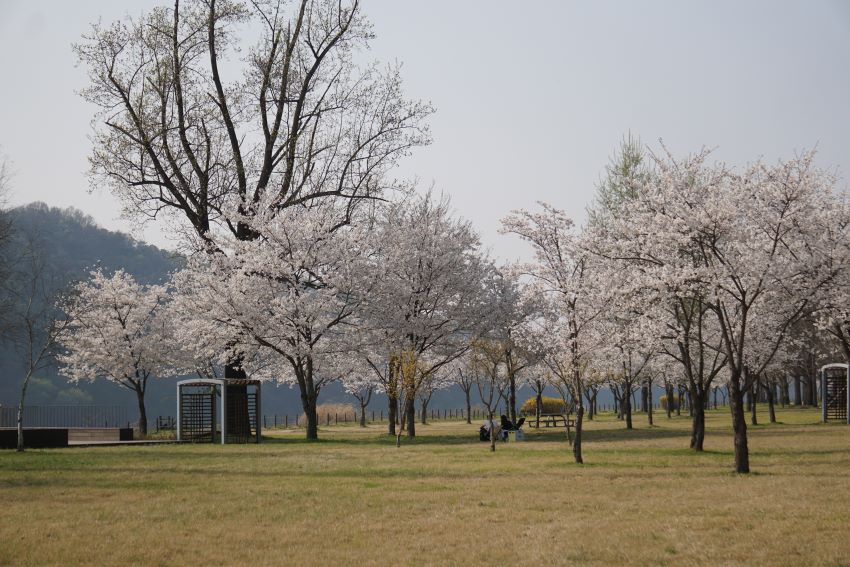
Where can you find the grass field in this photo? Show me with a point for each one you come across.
(642, 498)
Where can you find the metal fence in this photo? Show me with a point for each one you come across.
(66, 416)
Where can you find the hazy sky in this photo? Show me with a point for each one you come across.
(531, 97)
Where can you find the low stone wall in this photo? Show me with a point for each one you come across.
(62, 437)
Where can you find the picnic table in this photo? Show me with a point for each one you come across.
(550, 420)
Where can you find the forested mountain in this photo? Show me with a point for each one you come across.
(71, 244)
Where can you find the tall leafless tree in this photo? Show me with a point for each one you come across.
(301, 120)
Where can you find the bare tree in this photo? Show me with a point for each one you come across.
(301, 124)
(33, 327)
(490, 378)
(466, 381)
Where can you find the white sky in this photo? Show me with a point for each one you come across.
(531, 97)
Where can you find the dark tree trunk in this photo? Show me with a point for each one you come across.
(468, 407)
(771, 410)
(143, 414)
(679, 400)
(813, 390)
(649, 404)
(410, 413)
(20, 416)
(424, 415)
(312, 417)
(577, 441)
(512, 399)
(739, 426)
(539, 402)
(798, 391)
(670, 400)
(627, 409)
(392, 414)
(644, 398)
(362, 415)
(698, 418)
(754, 420)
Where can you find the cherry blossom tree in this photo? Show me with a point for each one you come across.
(115, 333)
(510, 313)
(428, 300)
(562, 277)
(752, 246)
(287, 299)
(360, 383)
(298, 122)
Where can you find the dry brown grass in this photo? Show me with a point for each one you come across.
(331, 413)
(642, 499)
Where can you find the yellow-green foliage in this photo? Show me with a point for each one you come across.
(548, 405)
(663, 402)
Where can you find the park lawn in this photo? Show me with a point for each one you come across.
(641, 498)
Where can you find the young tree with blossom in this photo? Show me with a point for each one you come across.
(116, 334)
(563, 280)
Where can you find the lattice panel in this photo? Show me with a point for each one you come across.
(835, 397)
(197, 416)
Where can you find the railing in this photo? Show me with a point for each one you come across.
(65, 416)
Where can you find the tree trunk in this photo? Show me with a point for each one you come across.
(771, 410)
(679, 402)
(410, 413)
(20, 417)
(577, 441)
(424, 416)
(649, 404)
(512, 399)
(539, 403)
(644, 398)
(798, 391)
(813, 390)
(492, 432)
(739, 426)
(362, 415)
(143, 415)
(752, 395)
(698, 419)
(627, 408)
(670, 400)
(312, 417)
(392, 413)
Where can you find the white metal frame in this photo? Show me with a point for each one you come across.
(823, 388)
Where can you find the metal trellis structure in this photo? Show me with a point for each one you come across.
(227, 408)
(835, 393)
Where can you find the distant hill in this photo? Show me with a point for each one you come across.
(72, 245)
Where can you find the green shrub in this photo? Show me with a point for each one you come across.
(548, 405)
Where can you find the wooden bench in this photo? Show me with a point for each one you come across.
(93, 435)
(550, 420)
